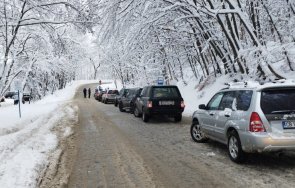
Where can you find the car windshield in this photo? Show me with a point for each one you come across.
(276, 101)
(160, 92)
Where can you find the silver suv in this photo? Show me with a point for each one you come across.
(249, 119)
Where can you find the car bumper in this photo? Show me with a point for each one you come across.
(110, 99)
(265, 142)
(169, 112)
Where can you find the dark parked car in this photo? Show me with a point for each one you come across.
(159, 100)
(128, 99)
(26, 97)
(118, 97)
(10, 94)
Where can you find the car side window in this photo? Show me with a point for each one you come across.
(215, 101)
(244, 99)
(227, 100)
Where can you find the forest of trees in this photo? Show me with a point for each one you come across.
(42, 43)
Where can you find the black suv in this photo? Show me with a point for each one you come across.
(118, 97)
(128, 99)
(159, 100)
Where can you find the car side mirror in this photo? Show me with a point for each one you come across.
(202, 107)
(2, 100)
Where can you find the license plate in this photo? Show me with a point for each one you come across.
(288, 124)
(166, 103)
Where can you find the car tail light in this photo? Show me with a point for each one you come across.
(149, 104)
(182, 104)
(256, 124)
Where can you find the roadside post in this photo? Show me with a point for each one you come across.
(19, 109)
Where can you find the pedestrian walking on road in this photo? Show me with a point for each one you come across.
(85, 92)
(89, 93)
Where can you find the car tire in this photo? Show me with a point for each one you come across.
(115, 103)
(178, 118)
(106, 101)
(145, 117)
(197, 133)
(235, 151)
(121, 107)
(136, 112)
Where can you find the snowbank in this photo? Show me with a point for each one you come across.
(195, 94)
(26, 142)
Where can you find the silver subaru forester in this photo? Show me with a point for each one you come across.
(249, 118)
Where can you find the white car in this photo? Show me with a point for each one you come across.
(6, 102)
(109, 96)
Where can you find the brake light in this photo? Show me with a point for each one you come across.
(149, 104)
(182, 104)
(256, 124)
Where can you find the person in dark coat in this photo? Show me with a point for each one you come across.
(85, 92)
(89, 93)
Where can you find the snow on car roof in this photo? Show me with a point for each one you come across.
(261, 85)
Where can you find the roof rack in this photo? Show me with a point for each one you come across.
(251, 84)
(237, 84)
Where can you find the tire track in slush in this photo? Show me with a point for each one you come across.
(105, 157)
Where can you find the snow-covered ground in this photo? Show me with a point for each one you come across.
(26, 142)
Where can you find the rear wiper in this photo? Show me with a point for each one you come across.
(283, 112)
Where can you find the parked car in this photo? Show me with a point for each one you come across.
(26, 97)
(248, 119)
(95, 92)
(159, 100)
(109, 96)
(118, 97)
(12, 95)
(98, 95)
(127, 101)
(6, 102)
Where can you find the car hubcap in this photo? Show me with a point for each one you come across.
(233, 147)
(197, 133)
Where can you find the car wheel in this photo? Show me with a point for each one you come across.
(197, 133)
(136, 112)
(121, 107)
(235, 151)
(145, 117)
(178, 118)
(106, 101)
(116, 103)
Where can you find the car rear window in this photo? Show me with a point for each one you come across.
(278, 101)
(160, 92)
(113, 92)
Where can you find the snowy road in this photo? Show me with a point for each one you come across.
(116, 149)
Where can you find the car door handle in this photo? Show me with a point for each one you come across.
(212, 113)
(227, 115)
